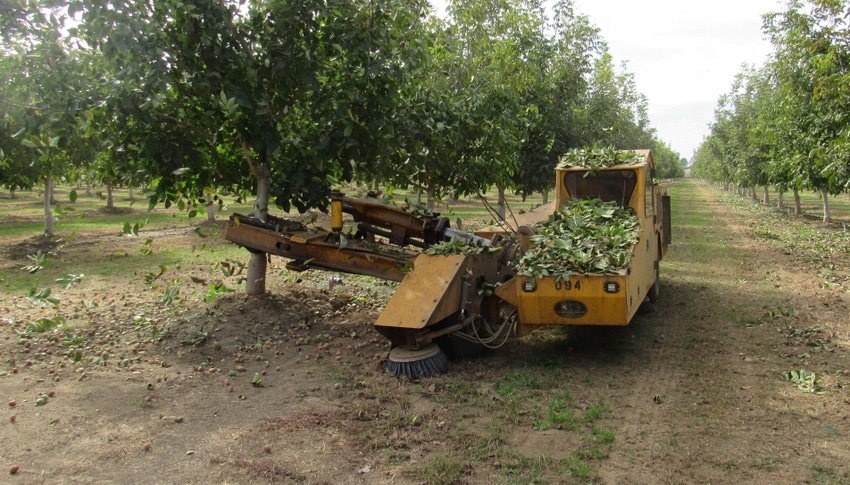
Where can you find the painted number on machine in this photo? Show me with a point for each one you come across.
(567, 285)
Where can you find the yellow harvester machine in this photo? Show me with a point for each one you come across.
(476, 298)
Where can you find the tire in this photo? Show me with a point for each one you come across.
(655, 289)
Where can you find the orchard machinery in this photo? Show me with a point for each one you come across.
(554, 265)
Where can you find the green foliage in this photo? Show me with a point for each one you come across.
(150, 278)
(44, 324)
(198, 340)
(582, 237)
(596, 158)
(170, 294)
(257, 381)
(42, 297)
(231, 267)
(38, 260)
(785, 123)
(132, 229)
(805, 381)
(70, 280)
(459, 246)
(215, 290)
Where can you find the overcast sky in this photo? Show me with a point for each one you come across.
(684, 55)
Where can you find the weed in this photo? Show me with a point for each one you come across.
(559, 415)
(824, 474)
(604, 435)
(576, 467)
(514, 381)
(595, 411)
(442, 471)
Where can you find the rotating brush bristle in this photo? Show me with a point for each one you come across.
(415, 363)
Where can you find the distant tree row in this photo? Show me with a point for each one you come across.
(285, 100)
(787, 123)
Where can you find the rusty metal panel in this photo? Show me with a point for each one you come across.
(317, 249)
(428, 294)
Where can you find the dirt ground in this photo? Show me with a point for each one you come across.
(291, 387)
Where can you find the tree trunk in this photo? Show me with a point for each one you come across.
(210, 211)
(826, 217)
(753, 195)
(502, 205)
(431, 191)
(766, 196)
(781, 204)
(132, 198)
(48, 209)
(255, 285)
(545, 193)
(12, 194)
(110, 204)
(88, 189)
(798, 208)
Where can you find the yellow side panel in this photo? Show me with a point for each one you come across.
(540, 307)
(426, 295)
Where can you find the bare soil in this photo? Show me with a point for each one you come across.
(291, 387)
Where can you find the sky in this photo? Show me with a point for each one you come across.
(684, 55)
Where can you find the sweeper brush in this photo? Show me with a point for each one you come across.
(415, 363)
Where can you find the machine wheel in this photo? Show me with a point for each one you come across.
(655, 289)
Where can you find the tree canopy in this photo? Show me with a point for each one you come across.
(284, 101)
(787, 123)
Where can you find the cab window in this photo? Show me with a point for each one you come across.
(608, 185)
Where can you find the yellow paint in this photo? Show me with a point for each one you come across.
(336, 214)
(426, 295)
(536, 308)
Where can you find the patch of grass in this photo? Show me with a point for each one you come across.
(520, 469)
(595, 411)
(826, 475)
(442, 471)
(517, 380)
(575, 466)
(559, 414)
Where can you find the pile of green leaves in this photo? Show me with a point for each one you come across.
(586, 236)
(596, 158)
(459, 246)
